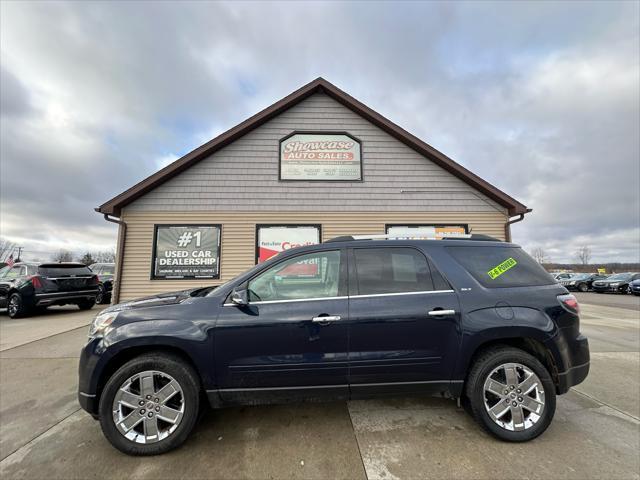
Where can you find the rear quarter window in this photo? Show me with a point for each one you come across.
(496, 267)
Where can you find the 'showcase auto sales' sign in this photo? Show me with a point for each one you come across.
(320, 156)
(186, 251)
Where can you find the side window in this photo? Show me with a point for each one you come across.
(391, 270)
(15, 272)
(315, 275)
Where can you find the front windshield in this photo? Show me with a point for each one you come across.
(580, 276)
(620, 276)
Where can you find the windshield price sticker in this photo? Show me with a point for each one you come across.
(498, 270)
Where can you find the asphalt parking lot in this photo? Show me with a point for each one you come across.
(595, 433)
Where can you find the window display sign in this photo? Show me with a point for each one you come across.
(431, 231)
(320, 156)
(186, 252)
(273, 239)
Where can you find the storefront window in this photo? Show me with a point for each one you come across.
(186, 252)
(273, 239)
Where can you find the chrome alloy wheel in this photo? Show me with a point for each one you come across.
(514, 397)
(148, 407)
(14, 305)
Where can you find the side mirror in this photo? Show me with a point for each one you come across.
(240, 297)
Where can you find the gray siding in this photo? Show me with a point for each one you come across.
(244, 175)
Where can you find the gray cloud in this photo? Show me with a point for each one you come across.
(541, 99)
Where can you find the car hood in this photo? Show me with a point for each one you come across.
(169, 298)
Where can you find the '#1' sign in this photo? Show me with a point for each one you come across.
(320, 156)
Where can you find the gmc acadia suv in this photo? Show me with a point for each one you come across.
(469, 319)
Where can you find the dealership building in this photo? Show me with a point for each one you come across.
(315, 165)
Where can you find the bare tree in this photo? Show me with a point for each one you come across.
(105, 256)
(6, 249)
(539, 255)
(583, 254)
(87, 259)
(63, 256)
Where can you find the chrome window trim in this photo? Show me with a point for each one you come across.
(343, 297)
(264, 302)
(371, 295)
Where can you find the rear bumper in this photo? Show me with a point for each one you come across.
(43, 299)
(579, 365)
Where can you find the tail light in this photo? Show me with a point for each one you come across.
(569, 302)
(94, 280)
(35, 281)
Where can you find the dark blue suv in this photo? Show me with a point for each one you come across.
(469, 319)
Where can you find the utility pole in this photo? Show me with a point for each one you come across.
(19, 253)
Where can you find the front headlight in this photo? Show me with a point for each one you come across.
(572, 283)
(101, 325)
(614, 285)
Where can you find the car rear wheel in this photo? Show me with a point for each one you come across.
(511, 394)
(100, 295)
(16, 307)
(150, 405)
(583, 287)
(86, 304)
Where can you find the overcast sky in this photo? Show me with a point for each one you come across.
(540, 99)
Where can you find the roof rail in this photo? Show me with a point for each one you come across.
(444, 236)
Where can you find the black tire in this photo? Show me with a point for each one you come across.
(583, 287)
(101, 295)
(474, 389)
(86, 304)
(160, 362)
(16, 307)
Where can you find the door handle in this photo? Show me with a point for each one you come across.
(440, 313)
(324, 320)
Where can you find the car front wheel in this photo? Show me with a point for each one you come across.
(511, 394)
(150, 405)
(583, 287)
(16, 307)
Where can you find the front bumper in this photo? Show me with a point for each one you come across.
(89, 369)
(89, 403)
(607, 289)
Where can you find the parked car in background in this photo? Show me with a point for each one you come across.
(105, 272)
(26, 286)
(616, 283)
(582, 282)
(634, 287)
(477, 320)
(561, 276)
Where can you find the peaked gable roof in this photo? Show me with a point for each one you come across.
(319, 85)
